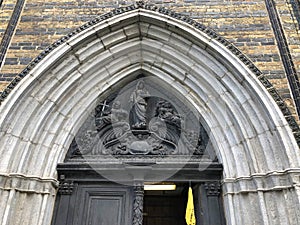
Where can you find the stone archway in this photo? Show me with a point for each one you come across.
(41, 115)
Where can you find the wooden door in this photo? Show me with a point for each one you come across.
(95, 205)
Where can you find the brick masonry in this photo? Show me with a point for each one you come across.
(245, 23)
(289, 20)
(289, 15)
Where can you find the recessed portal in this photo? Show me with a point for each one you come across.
(142, 132)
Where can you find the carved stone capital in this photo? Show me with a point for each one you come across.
(212, 188)
(66, 187)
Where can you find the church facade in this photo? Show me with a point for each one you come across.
(148, 94)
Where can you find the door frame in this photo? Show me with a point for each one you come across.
(74, 175)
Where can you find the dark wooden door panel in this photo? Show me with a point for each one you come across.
(104, 211)
(96, 205)
(103, 205)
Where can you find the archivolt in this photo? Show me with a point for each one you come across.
(43, 112)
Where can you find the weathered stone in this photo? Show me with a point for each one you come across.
(257, 156)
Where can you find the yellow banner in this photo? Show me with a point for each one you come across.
(190, 212)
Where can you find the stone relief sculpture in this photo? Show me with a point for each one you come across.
(145, 129)
(139, 105)
(165, 111)
(117, 113)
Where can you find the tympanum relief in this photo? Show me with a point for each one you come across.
(141, 119)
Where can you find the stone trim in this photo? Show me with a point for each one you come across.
(28, 184)
(209, 32)
(272, 181)
(138, 204)
(284, 53)
(11, 27)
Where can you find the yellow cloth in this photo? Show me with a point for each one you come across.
(190, 212)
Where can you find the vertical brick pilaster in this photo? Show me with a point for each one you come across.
(284, 53)
(10, 29)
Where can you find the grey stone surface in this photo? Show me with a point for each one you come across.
(260, 159)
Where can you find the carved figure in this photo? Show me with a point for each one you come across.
(118, 114)
(165, 111)
(141, 135)
(139, 105)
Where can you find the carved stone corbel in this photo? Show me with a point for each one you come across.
(212, 188)
(65, 186)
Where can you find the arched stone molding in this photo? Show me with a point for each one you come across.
(252, 138)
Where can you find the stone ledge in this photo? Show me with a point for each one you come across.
(271, 181)
(28, 184)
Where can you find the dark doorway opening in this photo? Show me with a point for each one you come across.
(165, 207)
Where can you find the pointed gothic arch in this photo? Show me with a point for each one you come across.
(43, 112)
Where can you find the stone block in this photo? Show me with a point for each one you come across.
(113, 38)
(158, 33)
(90, 49)
(127, 47)
(132, 31)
